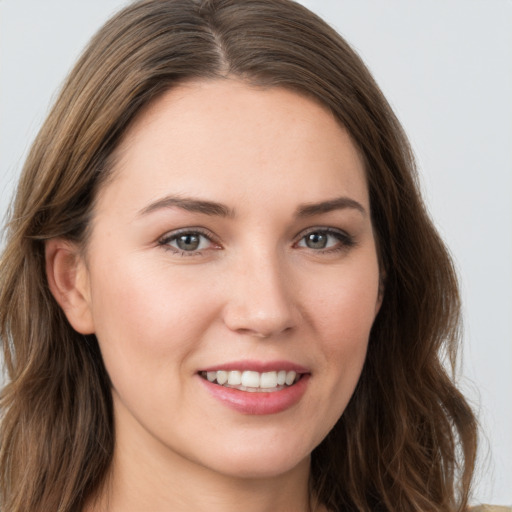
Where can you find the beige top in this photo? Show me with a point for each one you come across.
(490, 508)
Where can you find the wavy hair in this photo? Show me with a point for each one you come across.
(406, 441)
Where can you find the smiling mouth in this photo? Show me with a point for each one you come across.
(251, 381)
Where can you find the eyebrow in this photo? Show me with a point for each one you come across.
(190, 204)
(213, 208)
(339, 203)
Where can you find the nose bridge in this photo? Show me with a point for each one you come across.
(259, 300)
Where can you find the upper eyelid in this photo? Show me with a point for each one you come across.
(323, 229)
(170, 235)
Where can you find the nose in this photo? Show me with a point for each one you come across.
(260, 300)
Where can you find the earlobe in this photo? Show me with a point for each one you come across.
(68, 280)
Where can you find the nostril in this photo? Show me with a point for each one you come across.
(262, 332)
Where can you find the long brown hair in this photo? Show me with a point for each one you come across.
(407, 439)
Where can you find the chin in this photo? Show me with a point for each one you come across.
(262, 468)
(259, 460)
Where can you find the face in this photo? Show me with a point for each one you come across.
(232, 278)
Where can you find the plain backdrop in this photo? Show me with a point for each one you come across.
(446, 68)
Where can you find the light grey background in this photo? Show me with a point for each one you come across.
(446, 67)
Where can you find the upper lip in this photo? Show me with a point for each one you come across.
(257, 366)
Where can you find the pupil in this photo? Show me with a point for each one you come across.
(316, 240)
(188, 242)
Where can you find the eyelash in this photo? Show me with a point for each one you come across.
(345, 241)
(165, 241)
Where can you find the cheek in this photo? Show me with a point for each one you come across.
(145, 317)
(345, 307)
(148, 323)
(344, 310)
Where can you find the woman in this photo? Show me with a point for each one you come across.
(219, 275)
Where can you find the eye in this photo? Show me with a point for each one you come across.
(187, 242)
(326, 240)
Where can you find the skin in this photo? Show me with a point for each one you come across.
(255, 290)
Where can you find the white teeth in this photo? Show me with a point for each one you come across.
(234, 378)
(290, 377)
(252, 381)
(222, 377)
(268, 380)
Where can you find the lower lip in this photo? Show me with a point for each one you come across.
(258, 403)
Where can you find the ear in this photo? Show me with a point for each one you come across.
(68, 279)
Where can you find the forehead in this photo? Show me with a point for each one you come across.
(228, 140)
